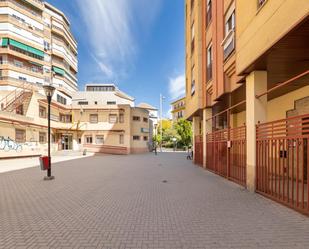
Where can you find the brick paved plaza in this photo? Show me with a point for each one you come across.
(124, 202)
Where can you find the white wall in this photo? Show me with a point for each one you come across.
(7, 28)
(10, 11)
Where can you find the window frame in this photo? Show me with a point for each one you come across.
(24, 136)
(93, 121)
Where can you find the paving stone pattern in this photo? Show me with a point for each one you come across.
(140, 201)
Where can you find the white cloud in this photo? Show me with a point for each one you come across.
(177, 87)
(111, 27)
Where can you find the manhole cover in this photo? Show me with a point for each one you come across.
(164, 181)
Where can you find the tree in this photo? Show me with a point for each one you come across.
(184, 130)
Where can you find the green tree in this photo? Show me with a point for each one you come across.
(184, 130)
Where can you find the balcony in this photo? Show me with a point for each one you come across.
(38, 4)
(35, 13)
(33, 70)
(228, 44)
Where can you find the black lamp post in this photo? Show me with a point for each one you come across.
(49, 91)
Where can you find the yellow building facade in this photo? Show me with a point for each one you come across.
(178, 109)
(255, 89)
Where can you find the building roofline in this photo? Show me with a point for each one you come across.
(53, 8)
(183, 98)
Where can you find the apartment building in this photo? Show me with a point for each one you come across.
(253, 126)
(178, 109)
(108, 121)
(36, 48)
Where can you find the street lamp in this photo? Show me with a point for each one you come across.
(49, 92)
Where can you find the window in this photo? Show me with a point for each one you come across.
(82, 102)
(145, 138)
(230, 23)
(88, 139)
(93, 118)
(18, 63)
(99, 139)
(65, 118)
(95, 102)
(20, 136)
(192, 5)
(42, 112)
(61, 99)
(121, 139)
(208, 12)
(22, 78)
(46, 45)
(136, 138)
(111, 102)
(112, 118)
(20, 109)
(192, 38)
(192, 32)
(145, 120)
(136, 118)
(260, 3)
(192, 81)
(121, 118)
(209, 63)
(42, 137)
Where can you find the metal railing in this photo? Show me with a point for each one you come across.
(237, 158)
(226, 153)
(14, 95)
(283, 161)
(198, 150)
(216, 157)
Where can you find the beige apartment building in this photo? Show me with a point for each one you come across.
(247, 93)
(178, 109)
(37, 48)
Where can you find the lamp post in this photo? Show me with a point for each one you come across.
(49, 92)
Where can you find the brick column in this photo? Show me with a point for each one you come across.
(256, 110)
(207, 128)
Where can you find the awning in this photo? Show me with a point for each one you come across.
(59, 70)
(26, 48)
(35, 51)
(4, 42)
(18, 45)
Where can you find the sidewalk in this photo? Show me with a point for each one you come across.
(8, 165)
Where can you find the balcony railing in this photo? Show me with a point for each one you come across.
(228, 44)
(28, 68)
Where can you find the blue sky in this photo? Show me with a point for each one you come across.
(138, 44)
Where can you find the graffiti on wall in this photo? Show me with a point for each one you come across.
(7, 144)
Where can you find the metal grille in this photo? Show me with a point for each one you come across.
(226, 153)
(238, 155)
(283, 161)
(216, 159)
(198, 150)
